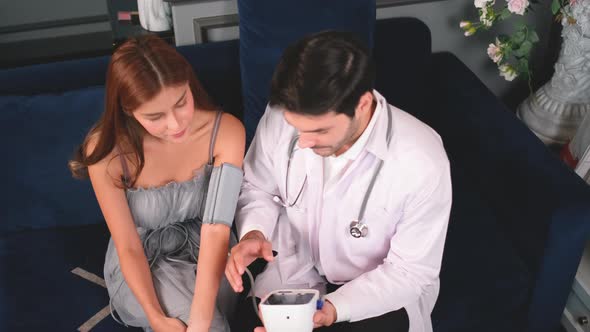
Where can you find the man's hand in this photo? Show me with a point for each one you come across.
(253, 245)
(326, 316)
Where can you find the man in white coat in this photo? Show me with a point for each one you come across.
(353, 193)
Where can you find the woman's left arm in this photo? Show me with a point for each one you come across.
(229, 148)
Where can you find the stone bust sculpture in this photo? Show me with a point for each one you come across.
(571, 81)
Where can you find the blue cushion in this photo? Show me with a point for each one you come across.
(484, 283)
(41, 133)
(540, 205)
(267, 27)
(40, 293)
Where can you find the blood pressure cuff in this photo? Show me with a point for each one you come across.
(222, 195)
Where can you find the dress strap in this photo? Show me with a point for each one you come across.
(214, 135)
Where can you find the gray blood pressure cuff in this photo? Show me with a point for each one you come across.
(222, 196)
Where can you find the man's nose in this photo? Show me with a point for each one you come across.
(305, 142)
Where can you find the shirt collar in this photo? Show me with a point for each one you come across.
(377, 142)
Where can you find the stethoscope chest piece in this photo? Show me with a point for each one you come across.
(358, 229)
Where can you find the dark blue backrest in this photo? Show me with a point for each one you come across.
(267, 27)
(402, 55)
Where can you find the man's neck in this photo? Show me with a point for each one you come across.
(364, 123)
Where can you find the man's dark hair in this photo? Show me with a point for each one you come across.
(323, 72)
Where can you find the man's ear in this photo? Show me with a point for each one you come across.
(365, 104)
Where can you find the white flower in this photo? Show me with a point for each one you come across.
(508, 72)
(485, 17)
(518, 6)
(495, 51)
(481, 3)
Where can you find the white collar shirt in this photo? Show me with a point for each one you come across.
(398, 263)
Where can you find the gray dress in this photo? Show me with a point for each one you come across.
(168, 220)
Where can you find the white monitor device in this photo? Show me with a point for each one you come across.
(289, 310)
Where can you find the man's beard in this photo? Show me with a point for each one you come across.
(326, 151)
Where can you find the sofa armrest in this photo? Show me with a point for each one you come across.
(541, 205)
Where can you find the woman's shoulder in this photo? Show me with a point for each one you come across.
(111, 162)
(231, 139)
(231, 124)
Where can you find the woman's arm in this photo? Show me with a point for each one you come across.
(215, 237)
(132, 259)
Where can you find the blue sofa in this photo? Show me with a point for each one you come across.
(519, 221)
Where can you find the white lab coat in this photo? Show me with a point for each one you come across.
(397, 264)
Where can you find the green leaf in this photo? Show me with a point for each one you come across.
(555, 6)
(519, 37)
(523, 65)
(503, 38)
(504, 14)
(524, 49)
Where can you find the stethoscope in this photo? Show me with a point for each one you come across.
(357, 228)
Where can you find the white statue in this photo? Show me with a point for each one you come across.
(154, 15)
(555, 111)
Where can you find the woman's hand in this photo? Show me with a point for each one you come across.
(196, 326)
(168, 324)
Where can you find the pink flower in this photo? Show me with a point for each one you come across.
(518, 6)
(465, 24)
(470, 32)
(494, 52)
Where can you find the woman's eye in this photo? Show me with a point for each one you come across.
(155, 118)
(181, 104)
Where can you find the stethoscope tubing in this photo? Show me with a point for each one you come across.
(356, 226)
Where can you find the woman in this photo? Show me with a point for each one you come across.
(149, 159)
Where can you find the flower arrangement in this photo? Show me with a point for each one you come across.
(511, 53)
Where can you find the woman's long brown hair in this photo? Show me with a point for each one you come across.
(138, 70)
